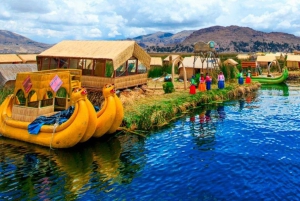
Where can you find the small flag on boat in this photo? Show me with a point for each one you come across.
(56, 83)
(27, 84)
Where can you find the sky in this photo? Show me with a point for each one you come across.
(51, 21)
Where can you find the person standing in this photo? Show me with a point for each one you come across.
(202, 83)
(248, 78)
(193, 85)
(221, 80)
(208, 81)
(241, 79)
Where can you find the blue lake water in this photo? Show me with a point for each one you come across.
(246, 149)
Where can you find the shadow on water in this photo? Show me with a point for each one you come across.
(32, 172)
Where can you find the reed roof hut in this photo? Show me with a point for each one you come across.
(190, 67)
(243, 56)
(156, 61)
(293, 62)
(230, 62)
(8, 72)
(123, 63)
(28, 58)
(10, 59)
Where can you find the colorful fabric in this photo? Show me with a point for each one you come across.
(208, 85)
(221, 84)
(192, 89)
(241, 80)
(202, 86)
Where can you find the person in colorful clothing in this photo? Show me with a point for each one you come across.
(193, 85)
(208, 81)
(221, 80)
(248, 78)
(241, 79)
(201, 86)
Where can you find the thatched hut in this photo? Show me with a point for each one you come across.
(28, 58)
(293, 62)
(188, 62)
(230, 62)
(10, 59)
(171, 58)
(8, 72)
(156, 62)
(243, 56)
(264, 61)
(123, 63)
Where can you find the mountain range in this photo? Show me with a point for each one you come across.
(12, 43)
(227, 39)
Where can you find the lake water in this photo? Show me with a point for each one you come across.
(247, 149)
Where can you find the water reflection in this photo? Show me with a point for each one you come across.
(32, 172)
(204, 123)
(283, 87)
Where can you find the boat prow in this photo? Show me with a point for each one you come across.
(272, 80)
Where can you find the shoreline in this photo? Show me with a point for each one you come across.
(148, 109)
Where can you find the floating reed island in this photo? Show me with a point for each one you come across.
(146, 109)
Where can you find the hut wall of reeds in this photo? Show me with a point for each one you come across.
(293, 62)
(101, 62)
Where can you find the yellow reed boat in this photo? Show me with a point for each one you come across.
(45, 93)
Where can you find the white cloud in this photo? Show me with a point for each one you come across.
(53, 21)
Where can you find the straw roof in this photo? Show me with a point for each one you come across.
(293, 58)
(27, 57)
(230, 62)
(269, 58)
(188, 62)
(117, 51)
(172, 56)
(9, 71)
(156, 61)
(243, 56)
(9, 58)
(296, 52)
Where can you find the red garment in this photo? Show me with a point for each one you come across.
(192, 89)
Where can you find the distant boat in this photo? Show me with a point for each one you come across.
(272, 80)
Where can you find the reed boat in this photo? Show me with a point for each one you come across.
(48, 93)
(272, 80)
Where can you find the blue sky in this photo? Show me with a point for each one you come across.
(51, 21)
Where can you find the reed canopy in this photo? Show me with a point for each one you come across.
(101, 62)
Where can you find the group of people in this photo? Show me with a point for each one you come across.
(241, 78)
(205, 82)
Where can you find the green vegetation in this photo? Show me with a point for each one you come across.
(168, 87)
(109, 69)
(5, 92)
(156, 111)
(158, 71)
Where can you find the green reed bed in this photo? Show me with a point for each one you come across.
(4, 92)
(153, 112)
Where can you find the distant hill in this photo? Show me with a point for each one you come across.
(162, 38)
(15, 43)
(228, 39)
